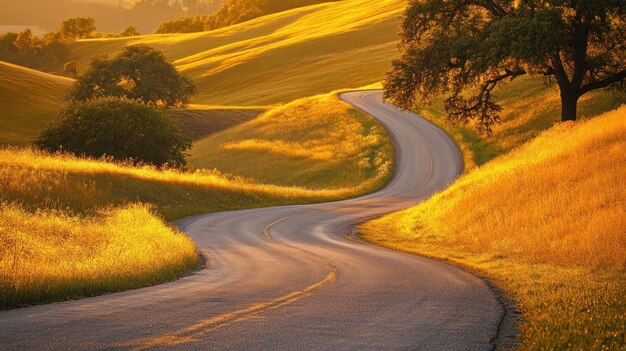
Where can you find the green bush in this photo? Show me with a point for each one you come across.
(120, 128)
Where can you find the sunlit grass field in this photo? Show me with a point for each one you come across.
(52, 255)
(277, 58)
(547, 223)
(270, 60)
(289, 145)
(78, 215)
(29, 99)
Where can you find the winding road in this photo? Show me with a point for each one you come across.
(293, 278)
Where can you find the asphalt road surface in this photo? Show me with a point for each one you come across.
(293, 278)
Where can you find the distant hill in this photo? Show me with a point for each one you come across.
(110, 17)
(232, 12)
(29, 100)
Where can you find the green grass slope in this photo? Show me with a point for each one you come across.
(280, 57)
(29, 99)
(316, 142)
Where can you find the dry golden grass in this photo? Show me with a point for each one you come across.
(50, 255)
(547, 222)
(313, 142)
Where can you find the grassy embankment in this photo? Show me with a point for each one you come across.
(98, 227)
(545, 221)
(290, 145)
(529, 107)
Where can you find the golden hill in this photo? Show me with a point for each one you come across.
(547, 222)
(29, 99)
(280, 57)
(316, 142)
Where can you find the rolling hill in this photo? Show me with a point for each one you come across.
(29, 100)
(288, 145)
(280, 57)
(546, 222)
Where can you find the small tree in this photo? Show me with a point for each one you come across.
(130, 31)
(26, 43)
(120, 128)
(140, 73)
(71, 69)
(78, 28)
(466, 48)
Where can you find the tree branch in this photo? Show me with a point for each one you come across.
(559, 72)
(493, 7)
(481, 106)
(602, 83)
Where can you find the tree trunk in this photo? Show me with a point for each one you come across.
(569, 102)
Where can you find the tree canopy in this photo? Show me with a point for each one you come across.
(140, 73)
(26, 49)
(119, 128)
(78, 27)
(465, 48)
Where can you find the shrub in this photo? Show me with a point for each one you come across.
(71, 69)
(120, 128)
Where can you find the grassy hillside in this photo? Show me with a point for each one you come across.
(529, 107)
(53, 255)
(63, 210)
(289, 145)
(29, 99)
(546, 222)
(278, 58)
(199, 121)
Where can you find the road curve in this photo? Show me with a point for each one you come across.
(291, 278)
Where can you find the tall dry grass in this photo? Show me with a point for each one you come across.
(50, 255)
(547, 221)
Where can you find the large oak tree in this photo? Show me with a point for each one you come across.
(465, 48)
